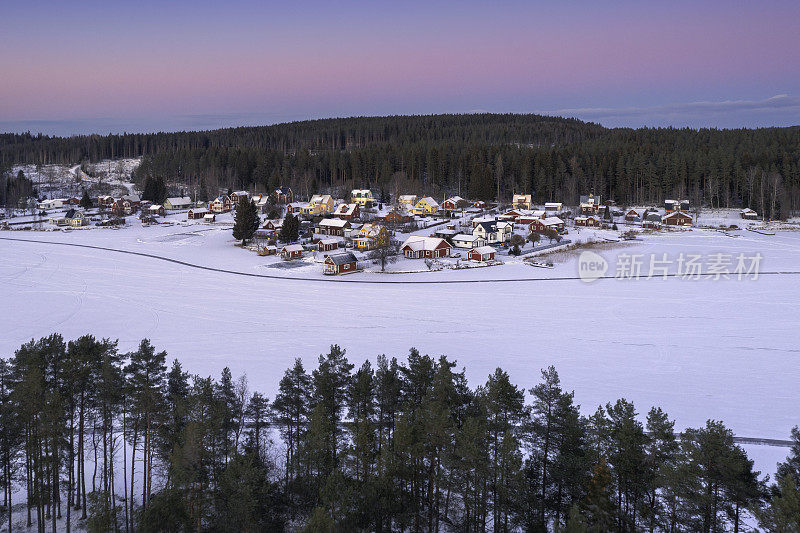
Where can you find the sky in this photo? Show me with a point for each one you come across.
(98, 66)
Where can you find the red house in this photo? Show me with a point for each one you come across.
(340, 264)
(591, 221)
(484, 253)
(347, 211)
(545, 224)
(326, 245)
(417, 247)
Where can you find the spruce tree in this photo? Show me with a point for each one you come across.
(246, 220)
(85, 202)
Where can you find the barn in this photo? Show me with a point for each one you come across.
(340, 264)
(484, 253)
(749, 214)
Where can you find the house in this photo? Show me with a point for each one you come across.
(362, 197)
(105, 201)
(522, 201)
(292, 251)
(220, 204)
(283, 195)
(454, 203)
(371, 236)
(262, 203)
(333, 226)
(347, 211)
(590, 221)
(481, 220)
(208, 218)
(590, 205)
(445, 233)
(494, 232)
(632, 215)
(483, 253)
(134, 199)
(677, 218)
(178, 202)
(73, 218)
(197, 213)
(238, 195)
(296, 208)
(511, 216)
(480, 204)
(271, 228)
(122, 207)
(321, 204)
(651, 224)
(553, 207)
(416, 247)
(426, 206)
(529, 216)
(748, 214)
(55, 203)
(546, 224)
(340, 264)
(676, 205)
(74, 201)
(156, 210)
(397, 216)
(465, 240)
(326, 245)
(408, 200)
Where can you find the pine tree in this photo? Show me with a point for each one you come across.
(246, 220)
(290, 230)
(85, 202)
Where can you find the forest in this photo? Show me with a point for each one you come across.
(481, 156)
(94, 438)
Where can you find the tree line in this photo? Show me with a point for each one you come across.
(480, 156)
(122, 442)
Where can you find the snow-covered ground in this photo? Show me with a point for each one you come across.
(725, 349)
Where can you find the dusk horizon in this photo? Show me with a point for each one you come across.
(109, 69)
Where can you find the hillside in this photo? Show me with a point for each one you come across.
(555, 158)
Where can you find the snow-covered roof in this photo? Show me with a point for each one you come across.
(328, 241)
(417, 243)
(341, 259)
(179, 200)
(408, 197)
(197, 210)
(156, 207)
(345, 209)
(333, 223)
(483, 250)
(464, 237)
(292, 248)
(552, 221)
(553, 205)
(430, 201)
(320, 199)
(675, 214)
(455, 199)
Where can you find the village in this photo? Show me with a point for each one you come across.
(407, 234)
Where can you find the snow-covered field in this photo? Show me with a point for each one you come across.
(725, 349)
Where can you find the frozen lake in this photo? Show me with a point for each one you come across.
(726, 350)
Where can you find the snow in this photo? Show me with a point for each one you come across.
(701, 349)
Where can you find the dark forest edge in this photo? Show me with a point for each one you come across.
(399, 447)
(473, 155)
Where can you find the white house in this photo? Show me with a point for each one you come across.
(494, 232)
(465, 240)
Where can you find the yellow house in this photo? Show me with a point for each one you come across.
(371, 236)
(426, 206)
(408, 200)
(321, 204)
(522, 201)
(361, 196)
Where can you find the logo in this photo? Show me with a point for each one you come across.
(591, 266)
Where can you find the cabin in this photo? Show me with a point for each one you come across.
(347, 211)
(397, 216)
(156, 211)
(426, 206)
(105, 201)
(321, 204)
(122, 207)
(632, 215)
(677, 218)
(748, 214)
(468, 241)
(483, 253)
(208, 218)
(589, 222)
(480, 204)
(494, 232)
(408, 200)
(546, 224)
(221, 204)
(529, 216)
(522, 201)
(73, 218)
(333, 226)
(326, 245)
(553, 207)
(416, 247)
(362, 197)
(651, 224)
(55, 203)
(343, 263)
(177, 202)
(283, 195)
(197, 213)
(292, 251)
